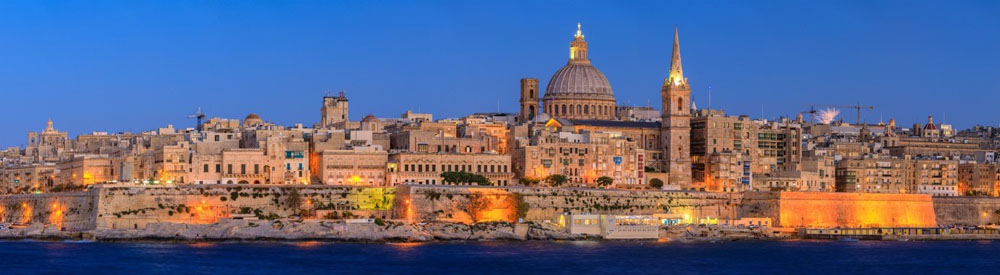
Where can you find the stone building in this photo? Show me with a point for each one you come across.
(779, 147)
(903, 176)
(356, 167)
(979, 179)
(582, 158)
(578, 90)
(419, 141)
(334, 112)
(46, 146)
(86, 169)
(720, 146)
(426, 168)
(26, 178)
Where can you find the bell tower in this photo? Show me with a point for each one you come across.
(675, 129)
(529, 99)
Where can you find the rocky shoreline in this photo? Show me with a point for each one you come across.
(310, 230)
(340, 231)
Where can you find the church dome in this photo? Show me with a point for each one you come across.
(579, 80)
(369, 118)
(252, 120)
(579, 90)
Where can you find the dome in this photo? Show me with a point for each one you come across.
(369, 118)
(579, 80)
(252, 120)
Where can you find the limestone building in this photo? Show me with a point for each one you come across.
(581, 157)
(426, 168)
(334, 111)
(46, 146)
(356, 167)
(981, 179)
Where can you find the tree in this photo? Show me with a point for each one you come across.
(556, 180)
(294, 199)
(656, 183)
(605, 181)
(529, 181)
(465, 177)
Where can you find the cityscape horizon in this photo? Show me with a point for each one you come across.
(745, 79)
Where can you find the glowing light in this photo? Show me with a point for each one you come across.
(864, 210)
(828, 115)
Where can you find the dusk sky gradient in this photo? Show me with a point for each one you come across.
(138, 65)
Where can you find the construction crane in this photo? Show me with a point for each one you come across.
(198, 115)
(811, 112)
(857, 108)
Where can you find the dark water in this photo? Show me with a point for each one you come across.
(792, 257)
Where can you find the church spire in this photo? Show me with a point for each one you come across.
(676, 76)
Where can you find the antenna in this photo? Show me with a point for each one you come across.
(709, 97)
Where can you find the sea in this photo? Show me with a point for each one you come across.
(536, 257)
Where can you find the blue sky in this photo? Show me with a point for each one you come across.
(137, 65)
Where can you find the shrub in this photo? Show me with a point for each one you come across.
(656, 183)
(379, 222)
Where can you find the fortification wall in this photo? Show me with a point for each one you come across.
(452, 203)
(967, 210)
(72, 211)
(124, 207)
(820, 210)
(135, 207)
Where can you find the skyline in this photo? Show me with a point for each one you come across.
(151, 64)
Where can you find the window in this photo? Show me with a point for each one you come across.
(243, 169)
(229, 168)
(206, 168)
(218, 168)
(680, 106)
(256, 168)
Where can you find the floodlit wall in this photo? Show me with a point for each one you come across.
(72, 211)
(468, 204)
(827, 210)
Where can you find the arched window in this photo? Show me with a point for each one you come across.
(579, 108)
(586, 109)
(680, 107)
(563, 110)
(531, 93)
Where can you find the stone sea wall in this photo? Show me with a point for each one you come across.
(824, 210)
(476, 204)
(967, 210)
(134, 207)
(73, 211)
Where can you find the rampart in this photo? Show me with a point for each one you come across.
(73, 211)
(468, 204)
(132, 207)
(967, 210)
(824, 210)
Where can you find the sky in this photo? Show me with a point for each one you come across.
(138, 65)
